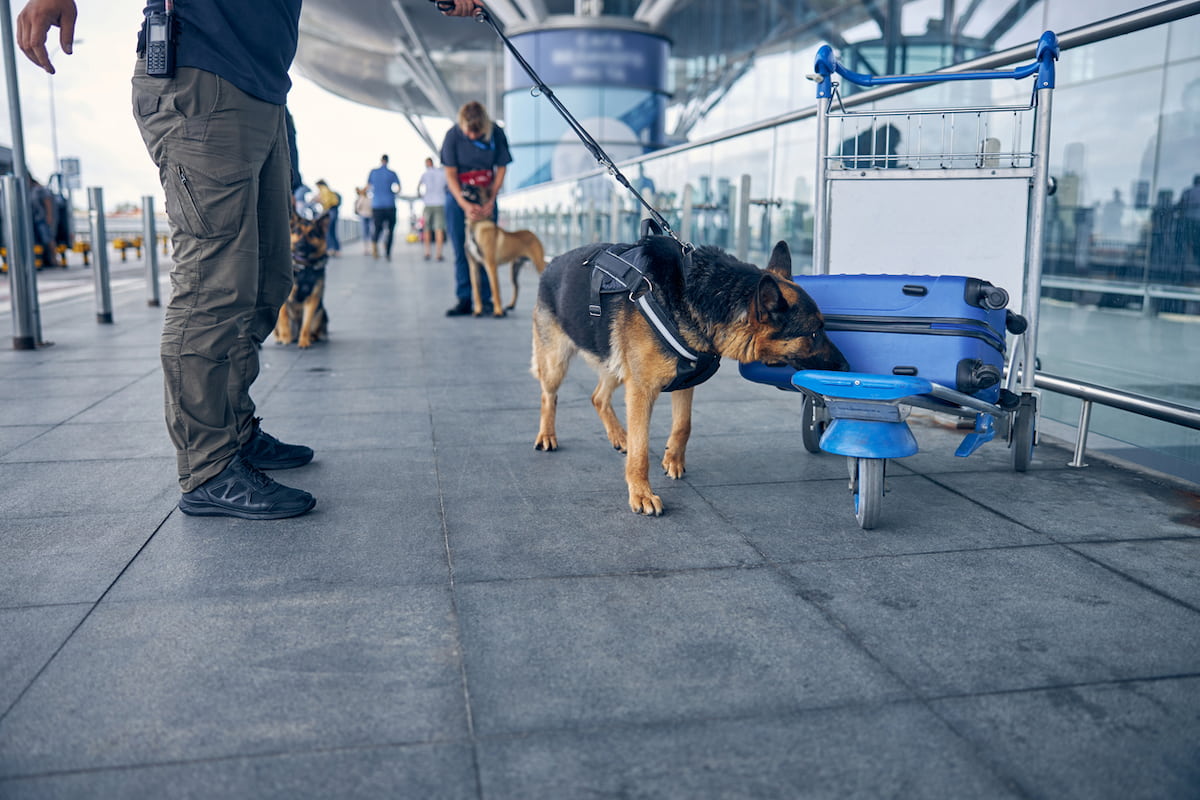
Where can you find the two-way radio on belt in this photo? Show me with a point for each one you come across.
(591, 144)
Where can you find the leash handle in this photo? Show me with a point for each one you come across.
(482, 15)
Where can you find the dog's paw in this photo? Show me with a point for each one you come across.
(646, 503)
(546, 441)
(673, 465)
(304, 344)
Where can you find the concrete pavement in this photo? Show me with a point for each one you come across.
(462, 616)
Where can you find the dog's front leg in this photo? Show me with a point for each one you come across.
(283, 326)
(639, 403)
(476, 303)
(681, 429)
(306, 331)
(493, 275)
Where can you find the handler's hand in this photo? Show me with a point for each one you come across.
(35, 21)
(462, 8)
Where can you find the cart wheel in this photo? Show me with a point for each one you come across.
(1024, 433)
(812, 424)
(868, 491)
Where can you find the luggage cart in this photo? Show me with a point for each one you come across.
(861, 415)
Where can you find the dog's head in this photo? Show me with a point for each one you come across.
(769, 318)
(791, 329)
(309, 239)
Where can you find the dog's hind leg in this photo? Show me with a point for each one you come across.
(602, 401)
(681, 429)
(552, 351)
(516, 268)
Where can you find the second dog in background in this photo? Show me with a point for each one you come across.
(302, 316)
(489, 246)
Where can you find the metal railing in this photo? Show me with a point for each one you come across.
(567, 229)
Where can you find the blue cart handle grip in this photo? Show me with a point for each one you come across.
(1047, 53)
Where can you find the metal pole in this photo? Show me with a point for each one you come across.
(100, 247)
(685, 213)
(150, 236)
(1085, 421)
(27, 325)
(821, 192)
(743, 219)
(24, 337)
(1036, 236)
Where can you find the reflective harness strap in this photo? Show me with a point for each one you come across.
(614, 272)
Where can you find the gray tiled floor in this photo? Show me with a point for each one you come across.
(465, 617)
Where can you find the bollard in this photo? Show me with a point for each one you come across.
(18, 233)
(100, 235)
(149, 235)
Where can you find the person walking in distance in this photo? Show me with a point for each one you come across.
(220, 111)
(385, 185)
(432, 190)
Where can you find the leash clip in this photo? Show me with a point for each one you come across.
(634, 294)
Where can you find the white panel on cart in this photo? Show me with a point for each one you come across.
(931, 227)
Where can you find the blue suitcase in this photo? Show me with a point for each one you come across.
(947, 329)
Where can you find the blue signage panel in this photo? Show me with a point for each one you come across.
(590, 56)
(612, 81)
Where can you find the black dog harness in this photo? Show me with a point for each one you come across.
(619, 268)
(305, 275)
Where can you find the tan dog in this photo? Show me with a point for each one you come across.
(717, 305)
(489, 246)
(303, 315)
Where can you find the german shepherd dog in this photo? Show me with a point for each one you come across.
(302, 316)
(489, 246)
(719, 306)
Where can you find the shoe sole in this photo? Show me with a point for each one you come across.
(212, 510)
(295, 462)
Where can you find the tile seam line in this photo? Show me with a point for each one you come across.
(70, 635)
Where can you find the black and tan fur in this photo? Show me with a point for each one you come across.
(719, 304)
(489, 246)
(302, 316)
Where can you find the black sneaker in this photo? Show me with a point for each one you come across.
(461, 310)
(240, 490)
(264, 451)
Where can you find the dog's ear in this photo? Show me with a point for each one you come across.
(781, 261)
(322, 223)
(768, 298)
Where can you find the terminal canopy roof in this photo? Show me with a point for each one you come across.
(404, 56)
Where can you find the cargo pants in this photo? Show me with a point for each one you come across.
(223, 160)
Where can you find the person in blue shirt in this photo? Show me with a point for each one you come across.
(475, 157)
(385, 185)
(217, 130)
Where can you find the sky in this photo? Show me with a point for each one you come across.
(339, 141)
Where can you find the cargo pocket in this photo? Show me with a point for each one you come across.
(207, 200)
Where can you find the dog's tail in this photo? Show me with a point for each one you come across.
(537, 254)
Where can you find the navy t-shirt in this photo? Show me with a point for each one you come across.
(467, 156)
(250, 44)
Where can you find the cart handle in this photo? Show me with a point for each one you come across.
(827, 64)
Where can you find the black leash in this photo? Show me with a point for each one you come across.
(591, 144)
